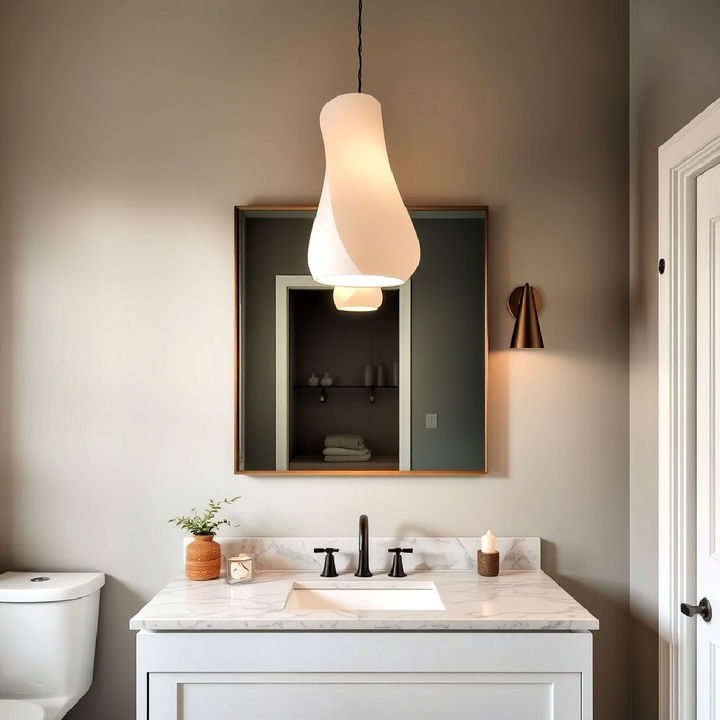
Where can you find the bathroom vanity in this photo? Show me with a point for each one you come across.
(441, 642)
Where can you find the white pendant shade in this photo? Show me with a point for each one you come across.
(362, 235)
(364, 299)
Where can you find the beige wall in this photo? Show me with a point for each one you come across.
(5, 377)
(674, 63)
(131, 128)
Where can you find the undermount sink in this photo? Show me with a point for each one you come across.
(359, 595)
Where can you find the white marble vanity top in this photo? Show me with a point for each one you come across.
(515, 600)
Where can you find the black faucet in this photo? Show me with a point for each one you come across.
(364, 554)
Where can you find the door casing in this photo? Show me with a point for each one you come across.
(689, 153)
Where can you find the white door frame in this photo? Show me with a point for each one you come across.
(285, 283)
(689, 153)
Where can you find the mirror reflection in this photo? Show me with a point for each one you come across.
(397, 389)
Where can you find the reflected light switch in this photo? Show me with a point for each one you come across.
(430, 421)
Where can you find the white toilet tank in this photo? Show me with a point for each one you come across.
(48, 625)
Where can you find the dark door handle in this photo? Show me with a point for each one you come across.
(703, 609)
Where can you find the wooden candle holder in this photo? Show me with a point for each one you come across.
(488, 563)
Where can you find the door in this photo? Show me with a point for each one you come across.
(708, 445)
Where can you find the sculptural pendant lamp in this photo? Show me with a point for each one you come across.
(355, 299)
(362, 235)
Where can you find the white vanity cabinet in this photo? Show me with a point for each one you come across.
(358, 675)
(511, 647)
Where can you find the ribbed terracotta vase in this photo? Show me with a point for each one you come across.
(202, 558)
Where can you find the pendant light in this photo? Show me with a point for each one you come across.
(365, 299)
(362, 235)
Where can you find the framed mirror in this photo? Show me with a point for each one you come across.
(398, 390)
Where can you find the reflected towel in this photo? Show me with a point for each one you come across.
(364, 457)
(345, 451)
(350, 442)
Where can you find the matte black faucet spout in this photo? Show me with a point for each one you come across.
(364, 547)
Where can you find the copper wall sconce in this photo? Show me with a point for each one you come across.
(523, 304)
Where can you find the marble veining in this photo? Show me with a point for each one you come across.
(515, 600)
(429, 553)
(522, 597)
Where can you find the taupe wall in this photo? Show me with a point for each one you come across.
(674, 61)
(131, 129)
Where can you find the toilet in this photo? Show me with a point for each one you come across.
(48, 625)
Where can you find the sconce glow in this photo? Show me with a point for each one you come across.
(362, 235)
(365, 299)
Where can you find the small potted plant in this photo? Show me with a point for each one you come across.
(202, 555)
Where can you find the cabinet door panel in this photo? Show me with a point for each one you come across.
(358, 696)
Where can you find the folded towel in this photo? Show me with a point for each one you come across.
(350, 442)
(345, 451)
(348, 458)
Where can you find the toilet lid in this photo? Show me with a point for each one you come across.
(20, 710)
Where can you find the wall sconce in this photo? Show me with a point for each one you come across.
(523, 305)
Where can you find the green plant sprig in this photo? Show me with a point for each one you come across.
(205, 523)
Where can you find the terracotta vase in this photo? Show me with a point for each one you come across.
(202, 558)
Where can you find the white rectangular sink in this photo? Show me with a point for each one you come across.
(364, 595)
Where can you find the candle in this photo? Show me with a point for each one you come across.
(487, 542)
(240, 568)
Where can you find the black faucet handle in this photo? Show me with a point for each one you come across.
(397, 569)
(329, 567)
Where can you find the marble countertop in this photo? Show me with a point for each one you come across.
(515, 600)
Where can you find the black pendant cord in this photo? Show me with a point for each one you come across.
(359, 46)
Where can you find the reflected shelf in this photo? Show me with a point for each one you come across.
(348, 387)
(314, 461)
(370, 389)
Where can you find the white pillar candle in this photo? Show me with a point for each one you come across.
(487, 542)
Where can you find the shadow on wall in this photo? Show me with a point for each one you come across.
(6, 380)
(645, 645)
(113, 682)
(610, 606)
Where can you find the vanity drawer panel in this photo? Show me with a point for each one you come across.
(274, 652)
(381, 696)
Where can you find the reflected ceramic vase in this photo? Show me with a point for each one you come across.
(202, 558)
